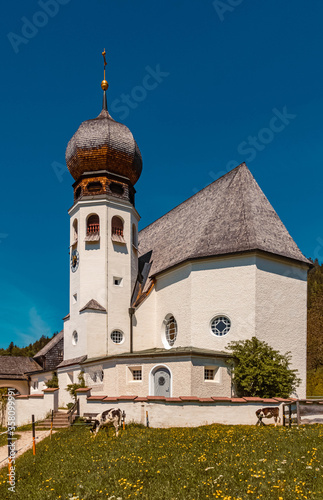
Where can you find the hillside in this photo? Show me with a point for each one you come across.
(30, 350)
(315, 331)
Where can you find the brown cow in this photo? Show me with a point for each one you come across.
(268, 413)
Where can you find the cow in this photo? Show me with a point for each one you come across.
(112, 416)
(268, 413)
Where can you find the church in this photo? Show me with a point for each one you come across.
(152, 311)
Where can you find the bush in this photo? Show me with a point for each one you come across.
(72, 388)
(261, 371)
(53, 382)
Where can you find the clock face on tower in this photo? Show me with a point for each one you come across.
(75, 259)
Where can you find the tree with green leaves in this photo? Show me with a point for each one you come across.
(261, 371)
(72, 388)
(53, 382)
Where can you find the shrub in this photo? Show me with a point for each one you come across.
(259, 370)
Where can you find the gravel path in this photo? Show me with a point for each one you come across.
(24, 442)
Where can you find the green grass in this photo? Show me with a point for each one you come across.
(226, 462)
(4, 439)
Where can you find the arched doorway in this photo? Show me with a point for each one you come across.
(162, 382)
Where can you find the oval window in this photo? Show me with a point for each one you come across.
(170, 329)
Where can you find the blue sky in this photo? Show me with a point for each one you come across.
(229, 82)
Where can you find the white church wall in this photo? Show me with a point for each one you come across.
(67, 375)
(179, 413)
(281, 311)
(144, 324)
(220, 386)
(173, 296)
(223, 287)
(187, 377)
(197, 292)
(95, 327)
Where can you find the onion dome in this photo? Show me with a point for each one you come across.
(104, 144)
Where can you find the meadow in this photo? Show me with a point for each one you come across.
(217, 461)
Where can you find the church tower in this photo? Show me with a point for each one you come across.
(105, 162)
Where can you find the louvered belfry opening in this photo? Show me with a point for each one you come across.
(117, 226)
(93, 225)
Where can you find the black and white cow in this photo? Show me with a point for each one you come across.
(268, 413)
(112, 416)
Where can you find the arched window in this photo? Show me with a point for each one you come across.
(170, 329)
(94, 187)
(117, 226)
(75, 338)
(93, 225)
(75, 231)
(134, 236)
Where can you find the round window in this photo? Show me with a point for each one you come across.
(161, 381)
(171, 329)
(117, 336)
(220, 326)
(75, 338)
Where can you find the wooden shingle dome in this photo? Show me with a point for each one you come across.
(104, 144)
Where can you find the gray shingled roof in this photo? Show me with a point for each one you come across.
(16, 366)
(230, 215)
(72, 361)
(94, 306)
(50, 345)
(161, 352)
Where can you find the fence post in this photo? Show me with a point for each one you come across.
(123, 420)
(147, 419)
(9, 454)
(34, 440)
(298, 413)
(290, 415)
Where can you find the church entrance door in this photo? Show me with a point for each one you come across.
(162, 382)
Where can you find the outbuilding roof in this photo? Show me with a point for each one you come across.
(15, 367)
(50, 345)
(231, 215)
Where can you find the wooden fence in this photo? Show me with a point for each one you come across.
(304, 411)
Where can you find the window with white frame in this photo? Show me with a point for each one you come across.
(212, 374)
(136, 373)
(117, 336)
(220, 325)
(170, 329)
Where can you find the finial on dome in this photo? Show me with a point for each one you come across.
(104, 83)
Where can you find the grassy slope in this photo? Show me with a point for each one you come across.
(228, 462)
